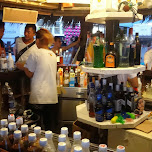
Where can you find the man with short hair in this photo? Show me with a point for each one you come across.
(23, 42)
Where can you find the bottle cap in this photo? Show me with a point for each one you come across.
(85, 143)
(12, 126)
(4, 131)
(37, 130)
(61, 146)
(64, 130)
(32, 137)
(17, 134)
(117, 87)
(4, 122)
(62, 138)
(11, 117)
(24, 128)
(120, 148)
(19, 120)
(111, 85)
(104, 81)
(130, 89)
(43, 142)
(48, 134)
(77, 149)
(103, 147)
(77, 135)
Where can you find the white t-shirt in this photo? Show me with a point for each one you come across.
(148, 59)
(43, 83)
(21, 45)
(123, 78)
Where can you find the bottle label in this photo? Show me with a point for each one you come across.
(118, 105)
(104, 100)
(123, 102)
(66, 81)
(58, 58)
(129, 103)
(110, 61)
(99, 116)
(3, 63)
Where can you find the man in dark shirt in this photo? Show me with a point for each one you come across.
(1, 35)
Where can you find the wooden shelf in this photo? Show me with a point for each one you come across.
(101, 17)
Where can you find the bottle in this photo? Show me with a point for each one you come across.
(62, 138)
(104, 92)
(111, 57)
(32, 147)
(137, 55)
(78, 149)
(102, 148)
(124, 99)
(60, 70)
(97, 85)
(91, 100)
(66, 77)
(88, 90)
(132, 47)
(37, 131)
(82, 78)
(4, 123)
(3, 62)
(61, 147)
(17, 144)
(5, 143)
(19, 122)
(10, 62)
(61, 56)
(120, 148)
(76, 77)
(12, 128)
(72, 78)
(44, 145)
(4, 94)
(64, 130)
(48, 135)
(24, 139)
(85, 145)
(12, 103)
(11, 118)
(9, 89)
(57, 57)
(77, 139)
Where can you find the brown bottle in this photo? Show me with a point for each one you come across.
(24, 139)
(12, 128)
(5, 143)
(17, 145)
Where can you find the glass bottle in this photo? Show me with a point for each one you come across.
(10, 62)
(66, 77)
(11, 118)
(37, 131)
(24, 139)
(12, 128)
(19, 122)
(85, 145)
(77, 140)
(102, 148)
(57, 57)
(61, 147)
(17, 144)
(61, 56)
(5, 143)
(32, 147)
(104, 92)
(3, 62)
(48, 135)
(78, 149)
(4, 123)
(72, 78)
(120, 148)
(44, 145)
(12, 103)
(64, 130)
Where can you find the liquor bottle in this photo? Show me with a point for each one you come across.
(61, 56)
(124, 99)
(4, 123)
(104, 92)
(60, 70)
(85, 145)
(37, 131)
(110, 59)
(3, 62)
(12, 128)
(57, 57)
(97, 85)
(11, 118)
(102, 148)
(32, 147)
(17, 144)
(5, 143)
(19, 122)
(64, 130)
(72, 78)
(82, 79)
(44, 145)
(120, 148)
(77, 140)
(48, 135)
(10, 62)
(78, 149)
(132, 47)
(88, 90)
(12, 103)
(66, 77)
(24, 139)
(137, 55)
(61, 147)
(91, 100)
(76, 77)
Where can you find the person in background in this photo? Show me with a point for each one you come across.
(23, 42)
(41, 67)
(2, 47)
(58, 43)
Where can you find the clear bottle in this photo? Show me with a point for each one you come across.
(11, 118)
(5, 143)
(4, 123)
(44, 145)
(19, 122)
(10, 62)
(102, 148)
(66, 77)
(77, 140)
(32, 147)
(49, 135)
(64, 130)
(12, 128)
(120, 148)
(3, 62)
(24, 130)
(85, 145)
(61, 147)
(72, 78)
(17, 144)
(37, 131)
(12, 103)
(78, 149)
